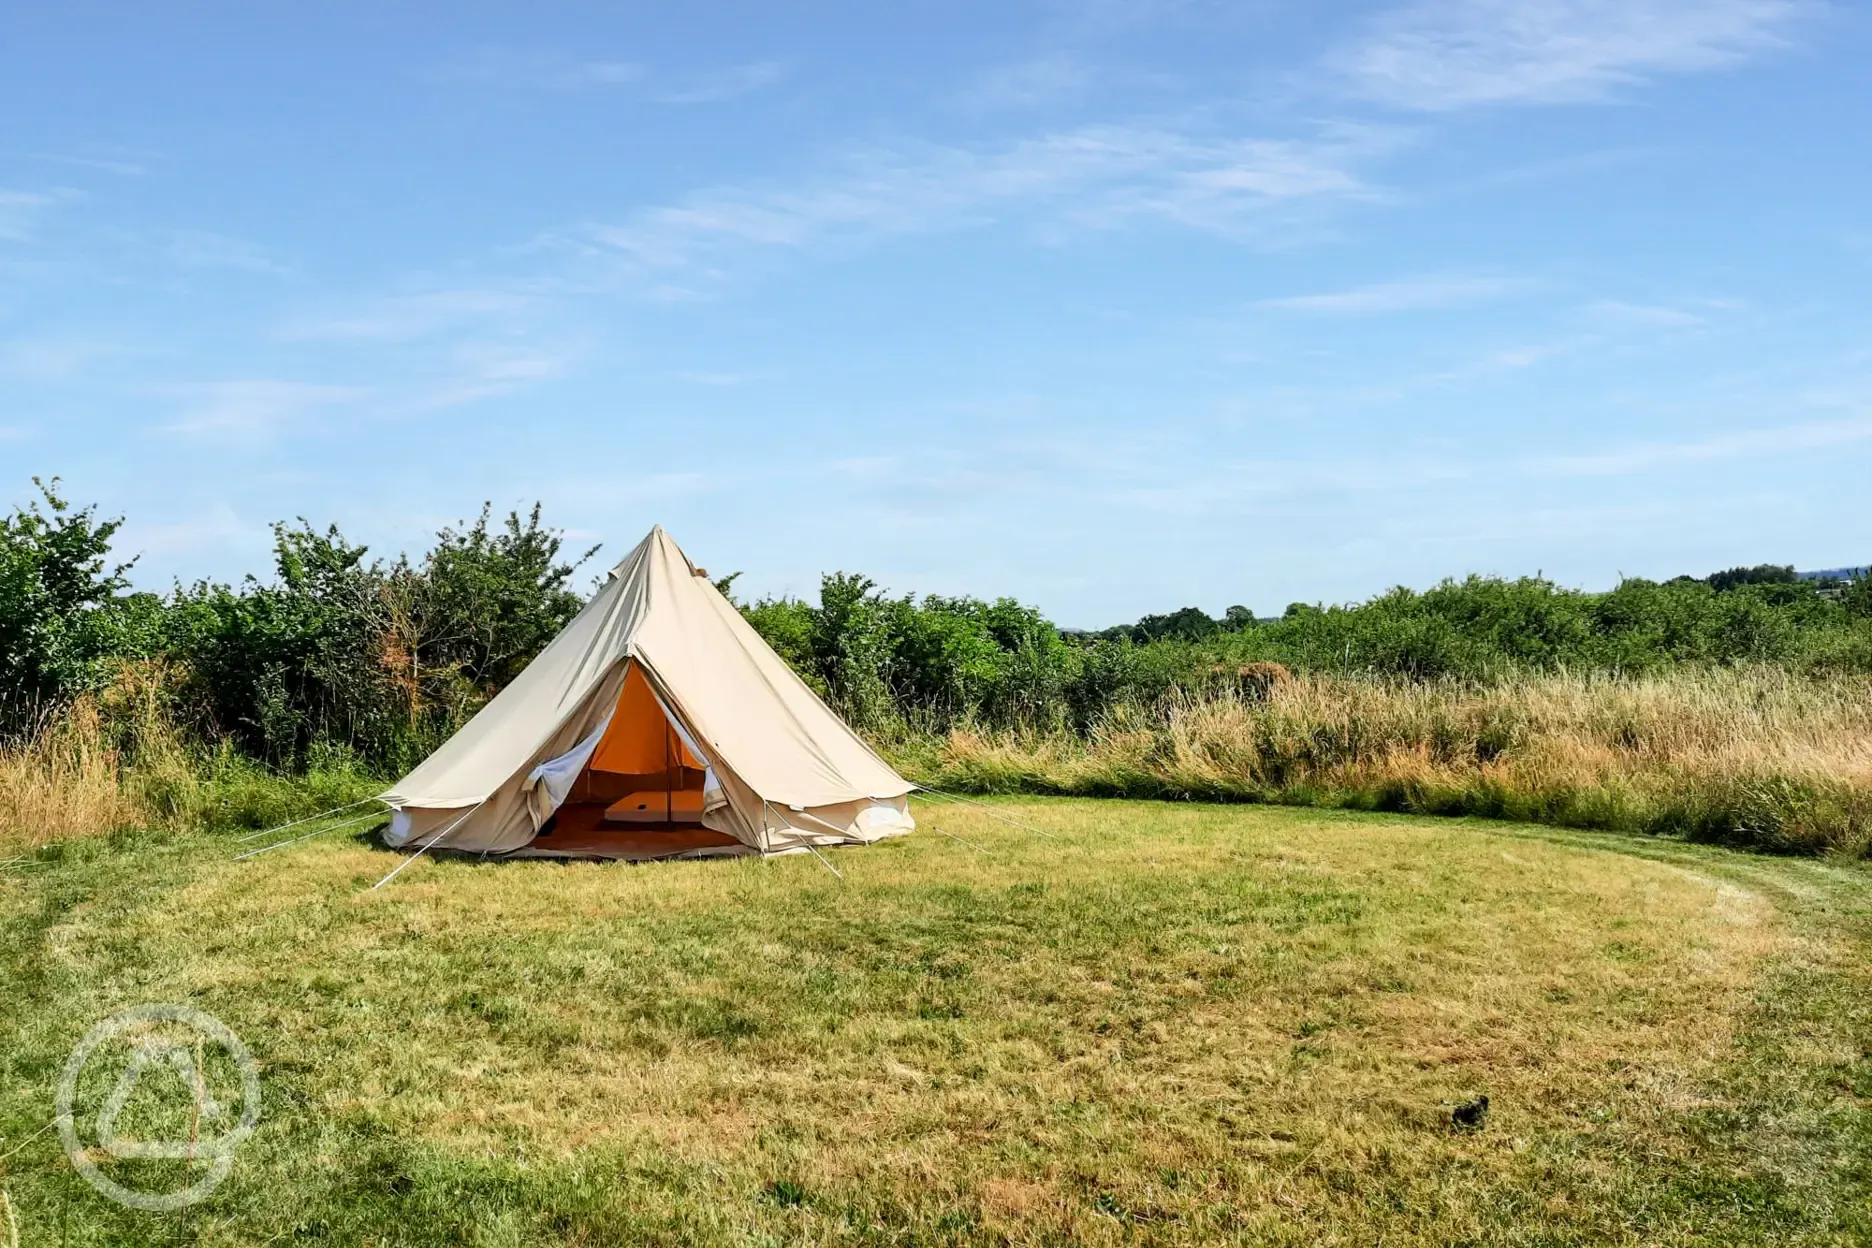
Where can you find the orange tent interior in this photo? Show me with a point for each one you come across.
(640, 796)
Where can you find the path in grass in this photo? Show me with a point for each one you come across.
(1171, 1024)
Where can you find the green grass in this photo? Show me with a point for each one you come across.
(1172, 1024)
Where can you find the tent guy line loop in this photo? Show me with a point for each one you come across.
(349, 823)
(768, 806)
(952, 836)
(823, 861)
(1004, 818)
(428, 845)
(29, 1139)
(308, 819)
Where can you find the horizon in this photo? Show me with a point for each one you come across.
(1093, 306)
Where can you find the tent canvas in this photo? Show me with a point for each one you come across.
(657, 712)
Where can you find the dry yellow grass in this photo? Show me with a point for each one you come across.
(1757, 757)
(65, 782)
(1750, 756)
(119, 764)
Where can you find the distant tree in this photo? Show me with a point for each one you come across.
(1857, 596)
(1760, 574)
(1237, 618)
(1188, 624)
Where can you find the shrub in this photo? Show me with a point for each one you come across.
(60, 599)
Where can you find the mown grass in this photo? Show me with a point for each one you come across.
(1174, 1024)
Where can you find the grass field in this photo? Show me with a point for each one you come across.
(1168, 1024)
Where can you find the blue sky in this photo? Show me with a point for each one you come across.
(1114, 306)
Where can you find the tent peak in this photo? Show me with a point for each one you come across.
(657, 537)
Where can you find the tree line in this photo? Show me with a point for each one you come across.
(337, 651)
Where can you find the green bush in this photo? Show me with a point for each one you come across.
(340, 654)
(63, 612)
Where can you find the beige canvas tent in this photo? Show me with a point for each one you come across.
(658, 724)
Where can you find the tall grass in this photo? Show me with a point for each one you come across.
(1750, 756)
(61, 782)
(1756, 757)
(103, 767)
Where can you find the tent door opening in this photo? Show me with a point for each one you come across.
(642, 793)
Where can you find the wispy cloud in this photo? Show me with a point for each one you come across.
(199, 249)
(220, 526)
(124, 164)
(1738, 444)
(403, 318)
(1045, 79)
(20, 212)
(705, 378)
(477, 371)
(865, 466)
(50, 358)
(1528, 355)
(545, 72)
(1409, 471)
(1438, 55)
(264, 408)
(1416, 294)
(1058, 76)
(534, 71)
(1093, 177)
(1618, 314)
(1166, 479)
(248, 408)
(1113, 17)
(587, 74)
(720, 85)
(598, 492)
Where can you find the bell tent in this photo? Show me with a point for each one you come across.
(658, 724)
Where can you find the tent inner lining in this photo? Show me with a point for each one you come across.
(643, 791)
